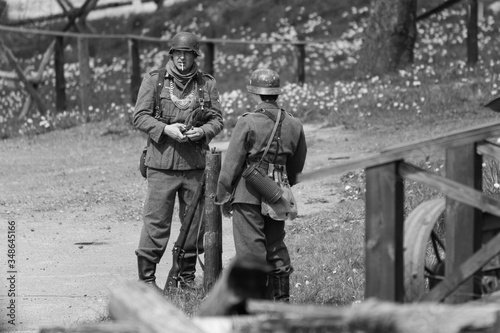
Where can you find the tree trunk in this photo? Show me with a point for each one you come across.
(389, 37)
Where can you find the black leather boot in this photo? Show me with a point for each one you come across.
(147, 270)
(279, 288)
(187, 273)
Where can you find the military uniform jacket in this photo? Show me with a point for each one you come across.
(164, 152)
(248, 142)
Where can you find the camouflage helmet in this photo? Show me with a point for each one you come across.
(185, 41)
(264, 82)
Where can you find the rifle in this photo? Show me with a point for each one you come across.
(178, 251)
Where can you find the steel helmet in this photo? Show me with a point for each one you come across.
(264, 82)
(186, 41)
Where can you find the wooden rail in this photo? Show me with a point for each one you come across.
(466, 209)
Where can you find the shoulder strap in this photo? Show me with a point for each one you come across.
(156, 94)
(201, 95)
(272, 135)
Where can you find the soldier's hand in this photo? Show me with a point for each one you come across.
(195, 134)
(226, 209)
(175, 132)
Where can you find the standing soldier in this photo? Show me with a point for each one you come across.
(258, 236)
(179, 129)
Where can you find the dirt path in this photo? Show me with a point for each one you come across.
(76, 198)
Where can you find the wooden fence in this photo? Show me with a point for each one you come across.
(134, 65)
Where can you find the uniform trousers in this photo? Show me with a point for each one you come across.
(163, 188)
(260, 238)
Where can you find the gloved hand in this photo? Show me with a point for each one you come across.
(226, 209)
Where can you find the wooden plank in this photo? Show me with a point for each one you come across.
(85, 77)
(450, 140)
(463, 221)
(465, 271)
(384, 233)
(27, 84)
(452, 189)
(489, 149)
(473, 134)
(136, 302)
(213, 222)
(60, 84)
(134, 68)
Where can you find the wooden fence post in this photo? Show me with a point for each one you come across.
(472, 31)
(60, 84)
(134, 68)
(301, 63)
(209, 58)
(384, 233)
(213, 222)
(85, 76)
(463, 223)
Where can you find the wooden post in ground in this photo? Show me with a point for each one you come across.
(85, 77)
(472, 32)
(60, 84)
(384, 233)
(301, 63)
(463, 222)
(134, 66)
(209, 58)
(213, 222)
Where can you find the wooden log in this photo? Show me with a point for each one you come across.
(384, 233)
(134, 65)
(213, 222)
(463, 221)
(137, 303)
(452, 189)
(60, 84)
(85, 77)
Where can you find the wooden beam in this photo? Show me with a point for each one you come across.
(465, 271)
(213, 222)
(437, 9)
(489, 149)
(452, 189)
(463, 221)
(391, 154)
(384, 199)
(27, 84)
(136, 302)
(72, 12)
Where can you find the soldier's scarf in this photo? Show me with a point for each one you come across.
(181, 80)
